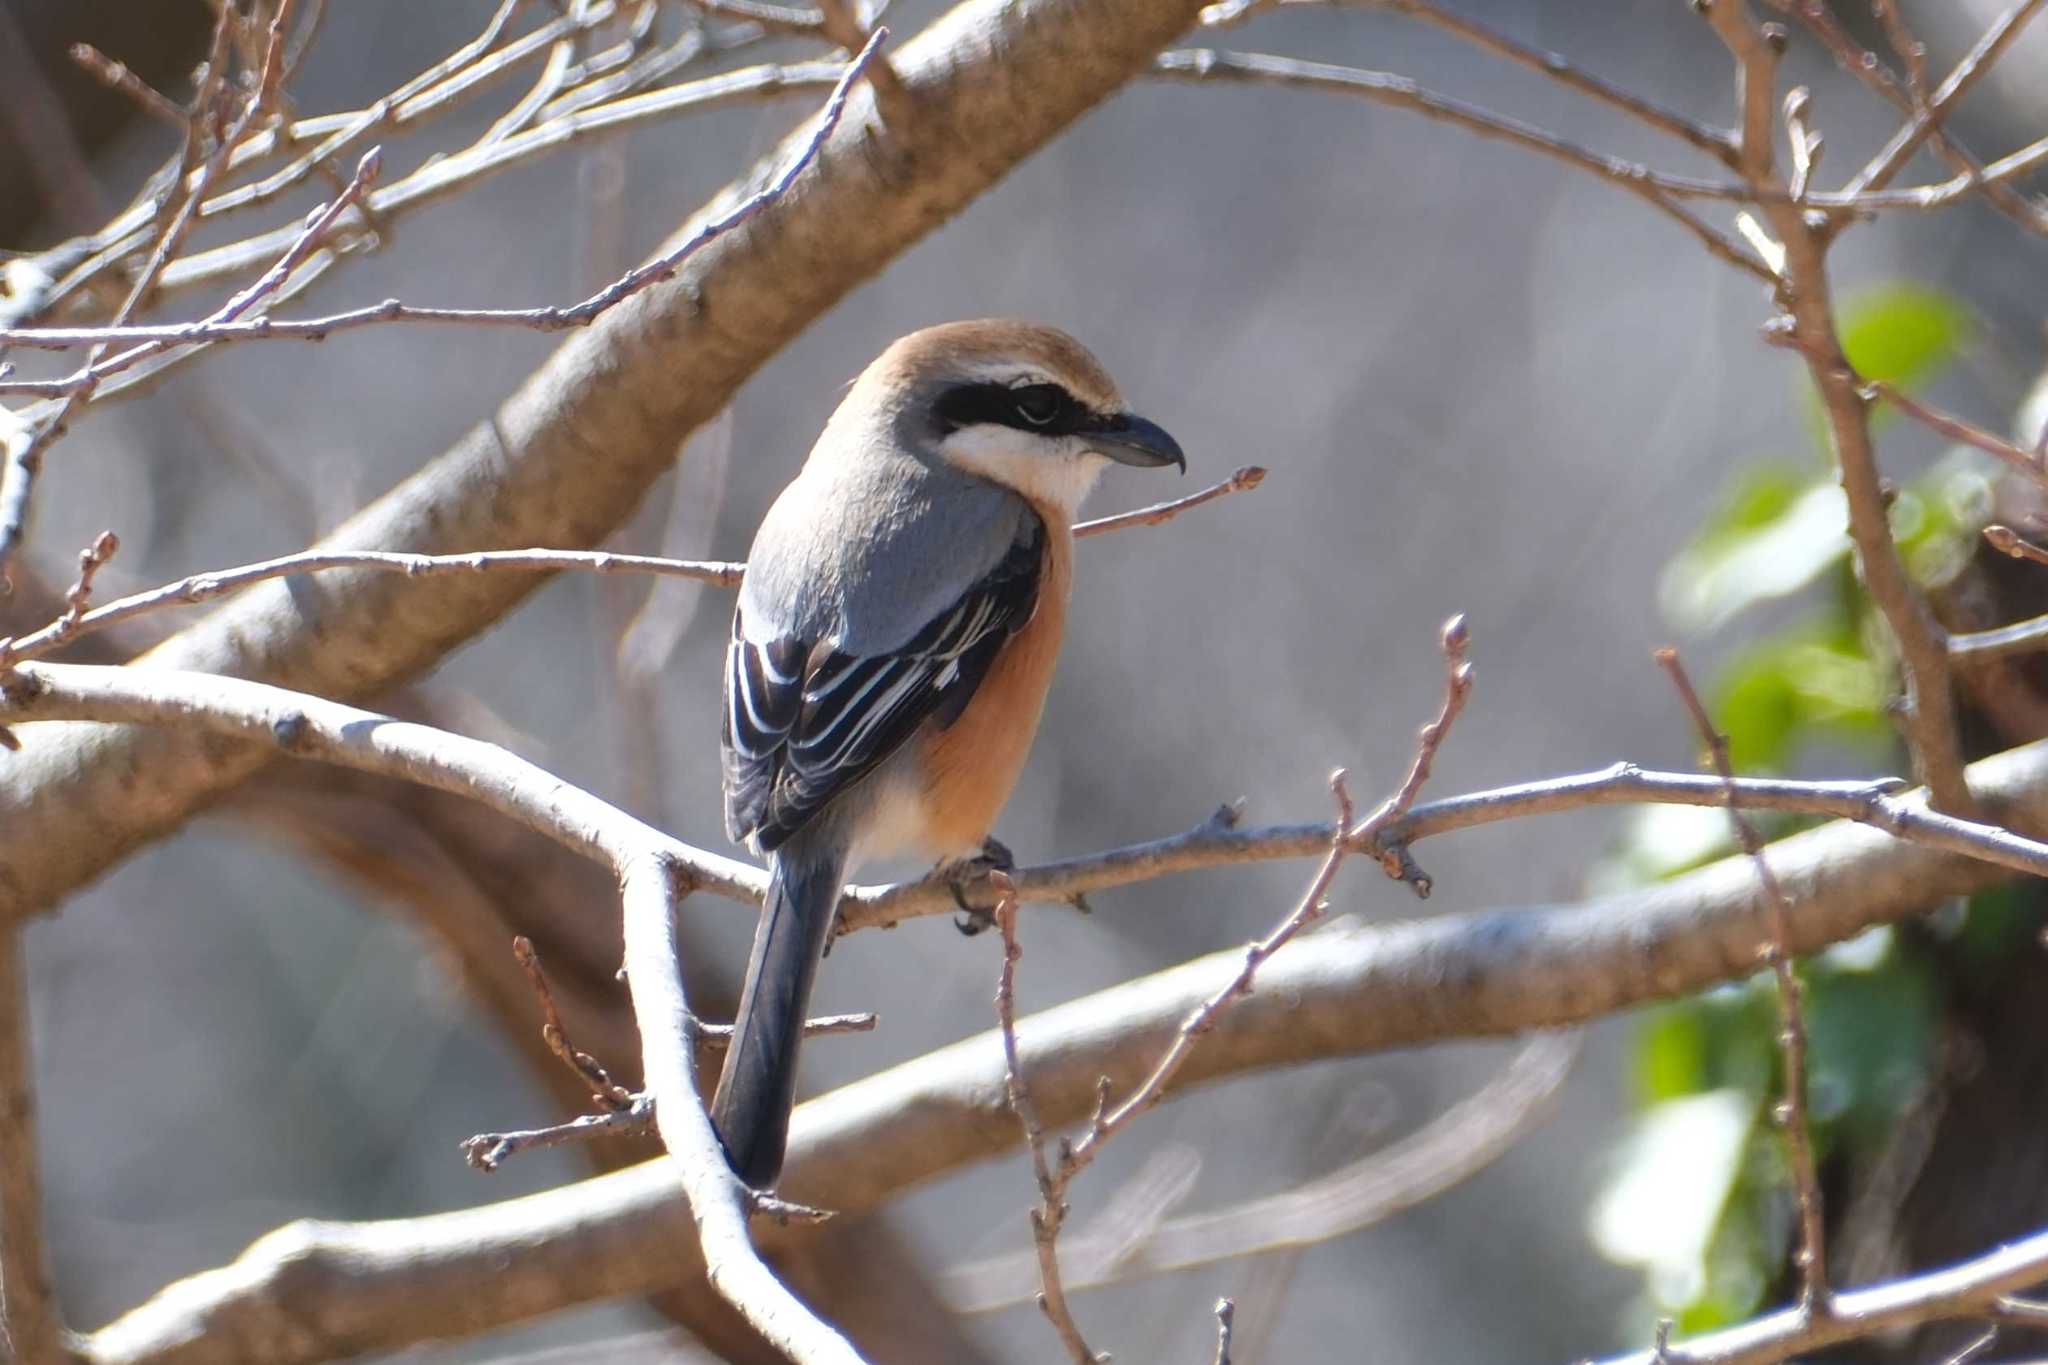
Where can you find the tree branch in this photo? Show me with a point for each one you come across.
(1973, 1289)
(205, 587)
(651, 871)
(1659, 191)
(31, 1327)
(1928, 717)
(310, 1290)
(992, 80)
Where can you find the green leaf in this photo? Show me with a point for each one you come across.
(1662, 1204)
(1904, 334)
(1871, 1043)
(1795, 690)
(1776, 531)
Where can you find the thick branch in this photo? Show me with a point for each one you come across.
(1351, 990)
(646, 861)
(569, 456)
(31, 1328)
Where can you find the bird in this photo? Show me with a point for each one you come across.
(896, 631)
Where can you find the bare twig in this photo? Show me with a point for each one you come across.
(1892, 158)
(1363, 989)
(605, 1093)
(1882, 804)
(1865, 66)
(116, 76)
(1052, 1208)
(227, 325)
(1956, 429)
(1811, 1257)
(31, 1328)
(653, 870)
(207, 586)
(1226, 1314)
(2003, 641)
(1713, 141)
(156, 340)
(1927, 715)
(1056, 1177)
(1243, 481)
(1451, 1148)
(2008, 541)
(621, 1112)
(1971, 1289)
(489, 1151)
(25, 459)
(1912, 53)
(1974, 1348)
(1659, 191)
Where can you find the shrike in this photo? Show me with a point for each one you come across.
(903, 605)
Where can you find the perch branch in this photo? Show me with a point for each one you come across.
(205, 587)
(993, 80)
(652, 875)
(1352, 990)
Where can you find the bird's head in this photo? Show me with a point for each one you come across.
(1019, 404)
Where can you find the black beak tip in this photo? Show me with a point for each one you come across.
(1135, 440)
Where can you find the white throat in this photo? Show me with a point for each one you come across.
(1051, 477)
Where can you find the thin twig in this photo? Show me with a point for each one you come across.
(1243, 481)
(1956, 429)
(1927, 715)
(653, 871)
(1883, 804)
(1451, 1148)
(1892, 158)
(1055, 1178)
(25, 458)
(625, 1114)
(1912, 53)
(205, 587)
(546, 319)
(2008, 541)
(2022, 637)
(116, 76)
(606, 1093)
(1815, 1299)
(156, 340)
(1659, 191)
(1713, 141)
(1226, 1314)
(489, 1151)
(1971, 174)
(1052, 1208)
(1969, 1289)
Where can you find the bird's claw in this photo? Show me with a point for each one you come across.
(995, 856)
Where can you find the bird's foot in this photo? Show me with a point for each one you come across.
(966, 874)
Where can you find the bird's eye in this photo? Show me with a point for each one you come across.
(1039, 404)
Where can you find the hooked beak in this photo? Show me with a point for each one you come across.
(1129, 439)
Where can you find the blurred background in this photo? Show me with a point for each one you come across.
(1482, 384)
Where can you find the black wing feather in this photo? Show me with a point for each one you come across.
(803, 723)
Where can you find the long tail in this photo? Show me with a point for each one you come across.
(758, 1083)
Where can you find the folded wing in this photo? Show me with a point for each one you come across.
(804, 721)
